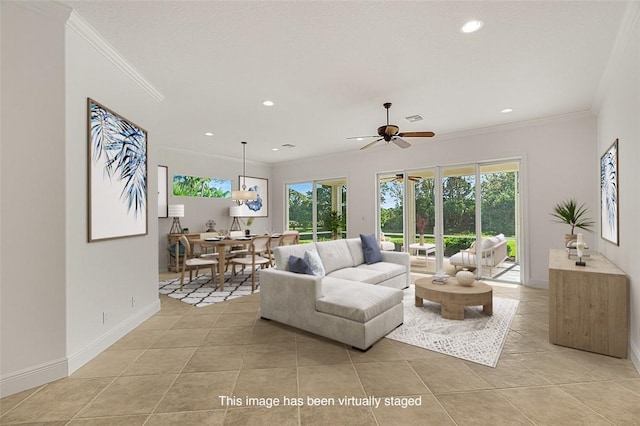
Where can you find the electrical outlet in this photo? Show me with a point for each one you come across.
(133, 302)
(105, 317)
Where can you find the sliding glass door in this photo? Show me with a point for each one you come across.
(499, 188)
(454, 217)
(317, 209)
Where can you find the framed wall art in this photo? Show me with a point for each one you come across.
(609, 219)
(163, 191)
(195, 186)
(260, 206)
(117, 175)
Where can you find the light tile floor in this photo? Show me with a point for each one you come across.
(173, 369)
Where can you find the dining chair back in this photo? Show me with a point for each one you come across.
(259, 254)
(189, 262)
(288, 238)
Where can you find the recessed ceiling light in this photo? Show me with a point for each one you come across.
(359, 139)
(274, 149)
(506, 110)
(208, 134)
(267, 103)
(472, 26)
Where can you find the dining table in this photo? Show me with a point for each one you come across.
(221, 244)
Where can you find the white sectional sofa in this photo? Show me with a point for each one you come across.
(354, 302)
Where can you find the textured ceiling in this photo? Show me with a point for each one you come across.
(329, 66)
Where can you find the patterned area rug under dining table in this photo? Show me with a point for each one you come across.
(200, 292)
(478, 338)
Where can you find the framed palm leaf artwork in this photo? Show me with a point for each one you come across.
(117, 175)
(609, 219)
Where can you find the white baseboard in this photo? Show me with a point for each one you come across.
(33, 376)
(57, 369)
(537, 284)
(94, 348)
(634, 355)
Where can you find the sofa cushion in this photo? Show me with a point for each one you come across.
(313, 259)
(334, 254)
(371, 249)
(384, 270)
(356, 301)
(357, 274)
(355, 247)
(298, 265)
(281, 253)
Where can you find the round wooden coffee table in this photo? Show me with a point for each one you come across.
(453, 297)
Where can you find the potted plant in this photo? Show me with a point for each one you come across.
(333, 222)
(421, 223)
(573, 215)
(247, 231)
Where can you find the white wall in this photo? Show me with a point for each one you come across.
(556, 154)
(104, 276)
(199, 210)
(619, 118)
(32, 265)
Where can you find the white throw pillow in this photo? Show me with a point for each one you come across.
(314, 261)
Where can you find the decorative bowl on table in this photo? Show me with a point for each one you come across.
(465, 278)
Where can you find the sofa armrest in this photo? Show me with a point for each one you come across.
(498, 253)
(284, 295)
(397, 257)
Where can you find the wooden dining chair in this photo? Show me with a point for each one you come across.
(259, 254)
(189, 262)
(289, 238)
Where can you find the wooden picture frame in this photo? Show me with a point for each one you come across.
(163, 192)
(609, 202)
(117, 175)
(260, 206)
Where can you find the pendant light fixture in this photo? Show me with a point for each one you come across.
(241, 196)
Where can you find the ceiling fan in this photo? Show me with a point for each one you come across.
(399, 177)
(391, 133)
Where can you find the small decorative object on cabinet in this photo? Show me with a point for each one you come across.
(465, 277)
(588, 305)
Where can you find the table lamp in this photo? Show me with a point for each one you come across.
(176, 211)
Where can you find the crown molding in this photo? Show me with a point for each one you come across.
(52, 10)
(629, 21)
(102, 46)
(525, 123)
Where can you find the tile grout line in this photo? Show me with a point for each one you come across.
(432, 394)
(364, 391)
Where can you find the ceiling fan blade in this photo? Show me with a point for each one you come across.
(371, 143)
(362, 137)
(401, 142)
(416, 134)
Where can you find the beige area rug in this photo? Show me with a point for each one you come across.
(200, 292)
(478, 338)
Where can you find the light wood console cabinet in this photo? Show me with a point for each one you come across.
(588, 305)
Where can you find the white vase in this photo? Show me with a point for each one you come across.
(421, 239)
(465, 278)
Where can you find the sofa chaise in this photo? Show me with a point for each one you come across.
(350, 301)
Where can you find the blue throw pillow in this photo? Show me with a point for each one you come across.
(371, 249)
(298, 265)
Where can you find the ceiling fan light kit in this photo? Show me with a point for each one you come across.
(391, 133)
